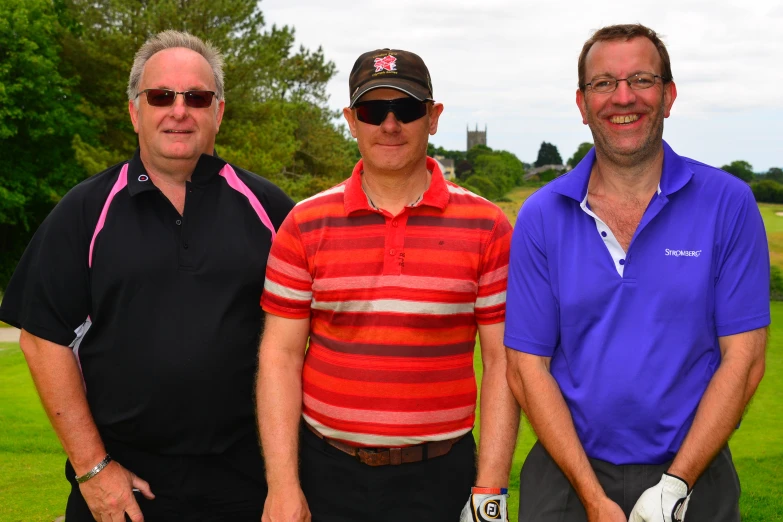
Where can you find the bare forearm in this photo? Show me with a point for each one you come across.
(279, 399)
(499, 424)
(551, 420)
(718, 414)
(58, 380)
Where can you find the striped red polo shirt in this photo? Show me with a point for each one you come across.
(394, 304)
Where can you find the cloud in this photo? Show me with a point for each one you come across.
(512, 64)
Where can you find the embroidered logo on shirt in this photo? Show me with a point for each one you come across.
(144, 178)
(682, 253)
(387, 63)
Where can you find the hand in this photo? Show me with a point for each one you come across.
(486, 505)
(109, 494)
(281, 507)
(605, 511)
(667, 501)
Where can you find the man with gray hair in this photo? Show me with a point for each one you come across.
(138, 299)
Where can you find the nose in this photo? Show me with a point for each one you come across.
(179, 109)
(390, 123)
(624, 95)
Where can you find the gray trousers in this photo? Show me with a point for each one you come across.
(547, 496)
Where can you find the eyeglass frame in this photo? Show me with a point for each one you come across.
(627, 80)
(174, 100)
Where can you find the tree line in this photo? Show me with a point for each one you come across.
(64, 67)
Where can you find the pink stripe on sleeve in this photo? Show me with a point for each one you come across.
(235, 183)
(121, 183)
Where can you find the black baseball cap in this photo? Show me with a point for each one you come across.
(393, 69)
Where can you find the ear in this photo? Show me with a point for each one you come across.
(219, 115)
(669, 95)
(581, 102)
(435, 112)
(134, 115)
(350, 117)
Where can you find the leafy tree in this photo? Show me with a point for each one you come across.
(39, 115)
(456, 155)
(276, 123)
(548, 155)
(775, 174)
(767, 191)
(742, 169)
(493, 172)
(580, 153)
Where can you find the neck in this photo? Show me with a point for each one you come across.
(170, 172)
(393, 191)
(636, 179)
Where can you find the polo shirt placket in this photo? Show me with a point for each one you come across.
(633, 345)
(162, 310)
(394, 304)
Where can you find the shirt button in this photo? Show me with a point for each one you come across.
(603, 234)
(394, 223)
(178, 222)
(622, 261)
(185, 245)
(392, 252)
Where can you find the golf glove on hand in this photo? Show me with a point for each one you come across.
(665, 502)
(486, 505)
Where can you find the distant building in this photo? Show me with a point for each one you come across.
(477, 137)
(446, 167)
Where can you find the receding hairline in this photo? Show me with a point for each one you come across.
(204, 61)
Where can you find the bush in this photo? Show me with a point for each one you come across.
(775, 284)
(767, 191)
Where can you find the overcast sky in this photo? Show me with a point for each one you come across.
(511, 65)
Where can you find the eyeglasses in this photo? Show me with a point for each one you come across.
(166, 97)
(637, 82)
(405, 110)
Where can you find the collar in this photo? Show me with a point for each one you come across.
(675, 175)
(437, 195)
(208, 166)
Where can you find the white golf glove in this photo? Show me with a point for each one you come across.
(665, 502)
(486, 505)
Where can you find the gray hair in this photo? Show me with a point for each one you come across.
(170, 40)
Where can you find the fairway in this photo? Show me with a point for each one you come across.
(33, 488)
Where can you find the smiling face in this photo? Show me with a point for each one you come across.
(393, 146)
(627, 124)
(177, 133)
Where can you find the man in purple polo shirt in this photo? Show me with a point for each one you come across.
(637, 307)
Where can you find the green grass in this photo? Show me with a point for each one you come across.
(33, 488)
(32, 483)
(757, 446)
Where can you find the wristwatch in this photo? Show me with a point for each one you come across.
(94, 471)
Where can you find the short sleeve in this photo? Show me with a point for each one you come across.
(49, 292)
(493, 277)
(742, 281)
(532, 317)
(288, 289)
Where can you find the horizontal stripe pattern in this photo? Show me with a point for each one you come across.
(394, 306)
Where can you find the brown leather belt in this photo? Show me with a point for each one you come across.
(391, 456)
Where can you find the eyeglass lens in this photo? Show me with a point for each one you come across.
(166, 97)
(637, 82)
(405, 110)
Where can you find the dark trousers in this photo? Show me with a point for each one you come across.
(547, 496)
(339, 488)
(229, 486)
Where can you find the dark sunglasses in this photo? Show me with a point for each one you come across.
(405, 110)
(166, 97)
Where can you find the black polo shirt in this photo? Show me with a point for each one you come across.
(170, 349)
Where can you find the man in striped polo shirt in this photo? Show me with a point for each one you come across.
(390, 274)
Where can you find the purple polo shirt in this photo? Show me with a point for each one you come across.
(634, 349)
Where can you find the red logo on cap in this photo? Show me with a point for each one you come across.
(387, 63)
